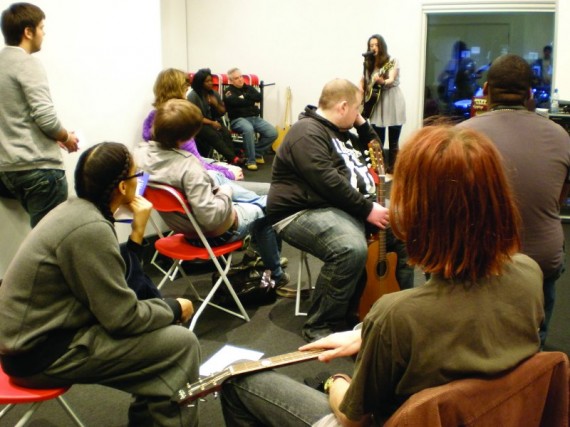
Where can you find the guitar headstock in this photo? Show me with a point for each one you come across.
(201, 388)
(376, 157)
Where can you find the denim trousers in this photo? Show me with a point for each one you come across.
(248, 126)
(38, 190)
(549, 291)
(338, 239)
(271, 399)
(252, 221)
(239, 192)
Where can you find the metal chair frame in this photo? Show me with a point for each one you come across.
(168, 199)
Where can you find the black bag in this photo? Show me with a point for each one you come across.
(253, 287)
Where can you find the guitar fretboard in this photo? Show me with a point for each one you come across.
(273, 362)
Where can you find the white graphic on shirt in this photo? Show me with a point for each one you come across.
(360, 178)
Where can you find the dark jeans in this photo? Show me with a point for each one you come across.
(38, 190)
(271, 399)
(549, 291)
(220, 140)
(393, 144)
(338, 239)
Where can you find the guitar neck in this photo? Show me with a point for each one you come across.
(273, 362)
(214, 382)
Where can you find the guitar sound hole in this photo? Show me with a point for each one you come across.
(381, 268)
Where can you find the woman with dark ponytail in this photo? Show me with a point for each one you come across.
(68, 314)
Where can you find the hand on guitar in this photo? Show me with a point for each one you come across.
(378, 216)
(340, 344)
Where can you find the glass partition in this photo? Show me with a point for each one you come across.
(461, 46)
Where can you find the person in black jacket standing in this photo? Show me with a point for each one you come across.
(241, 103)
(321, 199)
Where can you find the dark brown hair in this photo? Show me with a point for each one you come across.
(452, 205)
(176, 120)
(379, 60)
(17, 18)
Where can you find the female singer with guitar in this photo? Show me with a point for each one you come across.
(477, 316)
(384, 103)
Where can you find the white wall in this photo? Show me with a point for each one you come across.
(101, 58)
(303, 44)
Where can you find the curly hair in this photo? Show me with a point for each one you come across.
(99, 171)
(452, 205)
(198, 80)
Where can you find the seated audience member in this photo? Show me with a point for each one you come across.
(536, 153)
(172, 84)
(478, 315)
(321, 200)
(225, 212)
(213, 134)
(68, 314)
(241, 102)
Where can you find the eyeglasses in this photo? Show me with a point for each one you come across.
(136, 175)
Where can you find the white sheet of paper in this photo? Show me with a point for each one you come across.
(227, 355)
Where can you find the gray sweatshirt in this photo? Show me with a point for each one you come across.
(28, 121)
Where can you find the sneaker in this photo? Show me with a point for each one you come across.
(237, 161)
(289, 292)
(260, 160)
(285, 279)
(253, 260)
(251, 166)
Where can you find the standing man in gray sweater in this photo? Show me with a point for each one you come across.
(31, 135)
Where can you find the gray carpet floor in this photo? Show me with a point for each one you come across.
(273, 330)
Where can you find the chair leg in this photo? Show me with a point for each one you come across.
(24, 420)
(6, 409)
(69, 411)
(222, 279)
(303, 260)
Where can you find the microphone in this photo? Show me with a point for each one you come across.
(368, 54)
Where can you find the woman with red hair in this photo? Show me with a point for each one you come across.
(478, 315)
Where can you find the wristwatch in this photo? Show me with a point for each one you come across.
(330, 380)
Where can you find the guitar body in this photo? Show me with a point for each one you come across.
(380, 277)
(371, 100)
(380, 266)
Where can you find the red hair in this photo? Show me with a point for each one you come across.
(452, 205)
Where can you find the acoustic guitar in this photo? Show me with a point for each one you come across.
(374, 91)
(380, 266)
(213, 383)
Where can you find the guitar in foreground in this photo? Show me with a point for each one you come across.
(213, 383)
(380, 266)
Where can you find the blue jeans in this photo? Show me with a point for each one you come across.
(271, 399)
(337, 239)
(248, 126)
(38, 190)
(240, 193)
(252, 221)
(264, 240)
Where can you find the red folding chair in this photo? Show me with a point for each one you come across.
(168, 199)
(12, 394)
